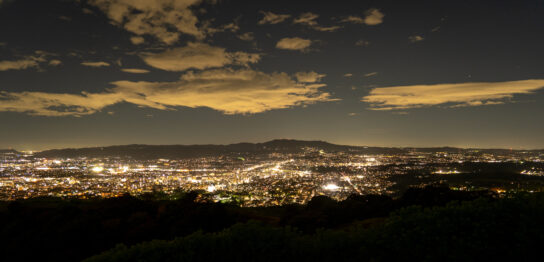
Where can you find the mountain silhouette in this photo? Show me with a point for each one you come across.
(140, 151)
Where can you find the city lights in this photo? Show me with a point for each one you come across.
(97, 169)
(258, 180)
(331, 187)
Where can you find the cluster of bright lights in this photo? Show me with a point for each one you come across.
(446, 172)
(211, 188)
(97, 169)
(331, 187)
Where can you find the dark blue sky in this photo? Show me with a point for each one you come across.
(380, 73)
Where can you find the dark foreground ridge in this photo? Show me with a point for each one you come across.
(278, 145)
(432, 223)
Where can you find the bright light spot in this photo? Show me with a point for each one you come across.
(211, 188)
(277, 168)
(97, 169)
(331, 187)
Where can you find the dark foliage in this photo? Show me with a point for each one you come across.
(50, 229)
(507, 229)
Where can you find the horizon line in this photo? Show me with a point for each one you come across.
(279, 139)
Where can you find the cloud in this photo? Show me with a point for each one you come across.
(327, 28)
(271, 18)
(230, 27)
(135, 70)
(96, 64)
(309, 18)
(373, 16)
(415, 38)
(309, 77)
(371, 74)
(51, 104)
(137, 40)
(198, 56)
(353, 19)
(55, 62)
(462, 94)
(164, 19)
(230, 91)
(293, 43)
(29, 62)
(247, 36)
(26, 62)
(348, 75)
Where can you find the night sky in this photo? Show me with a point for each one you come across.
(377, 73)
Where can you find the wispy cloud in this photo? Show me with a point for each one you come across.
(29, 61)
(416, 38)
(353, 19)
(309, 77)
(198, 56)
(372, 16)
(370, 74)
(247, 36)
(309, 19)
(327, 28)
(135, 70)
(230, 27)
(227, 90)
(137, 40)
(56, 104)
(456, 95)
(165, 19)
(95, 64)
(271, 18)
(55, 62)
(294, 43)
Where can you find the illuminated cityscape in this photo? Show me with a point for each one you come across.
(255, 179)
(245, 130)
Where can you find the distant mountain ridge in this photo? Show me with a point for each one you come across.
(186, 151)
(137, 151)
(8, 151)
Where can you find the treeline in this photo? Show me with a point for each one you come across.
(185, 229)
(507, 229)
